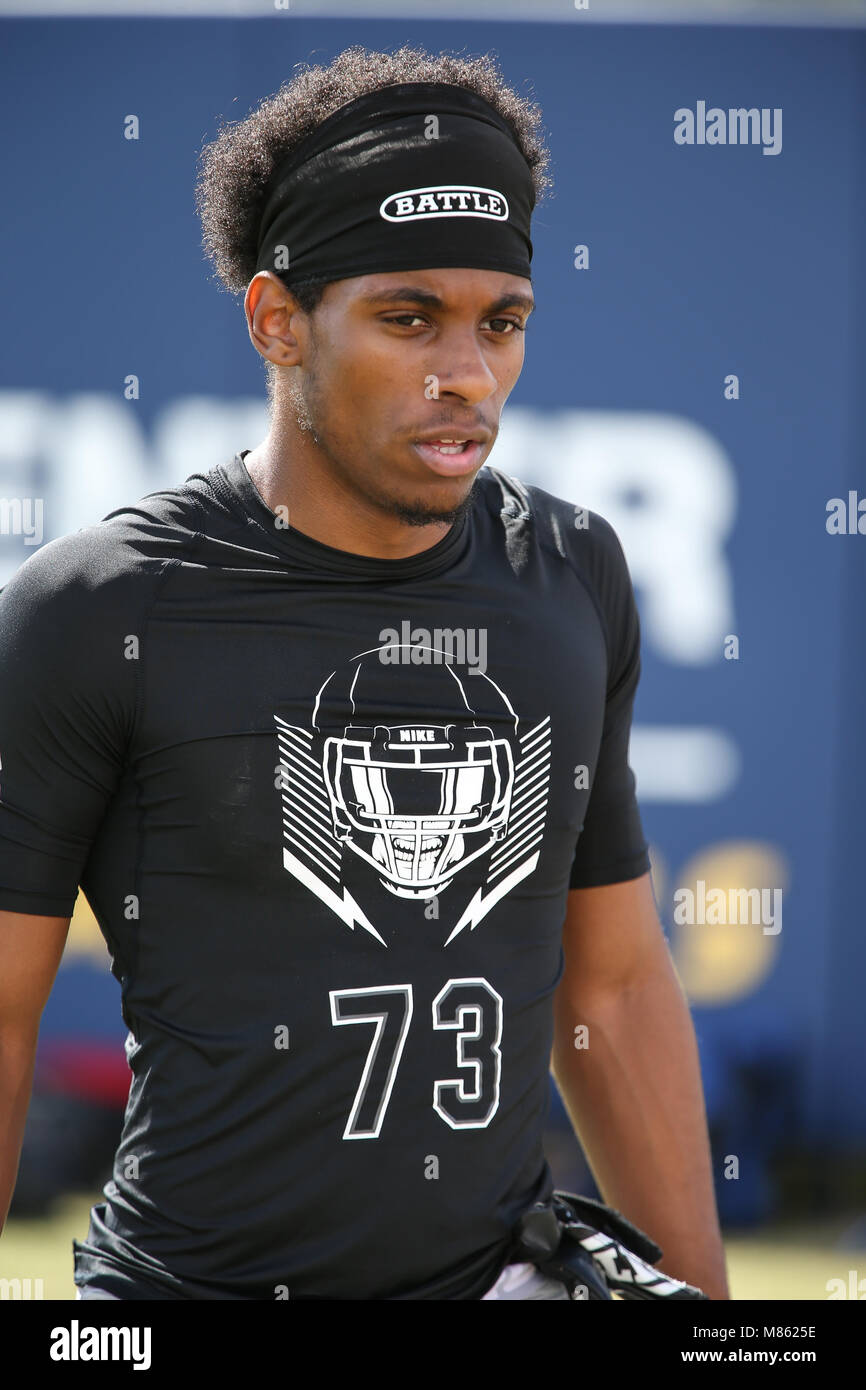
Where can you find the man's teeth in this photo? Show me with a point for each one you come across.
(448, 446)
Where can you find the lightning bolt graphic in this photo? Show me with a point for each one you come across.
(345, 908)
(479, 906)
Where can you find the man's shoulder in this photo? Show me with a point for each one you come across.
(115, 559)
(581, 537)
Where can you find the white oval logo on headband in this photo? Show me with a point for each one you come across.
(445, 200)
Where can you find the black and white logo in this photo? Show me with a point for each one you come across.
(415, 798)
(445, 200)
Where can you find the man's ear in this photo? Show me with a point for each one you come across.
(272, 313)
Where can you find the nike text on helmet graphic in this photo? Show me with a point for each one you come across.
(444, 200)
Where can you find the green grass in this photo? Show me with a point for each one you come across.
(43, 1249)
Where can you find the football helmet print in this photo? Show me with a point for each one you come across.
(418, 799)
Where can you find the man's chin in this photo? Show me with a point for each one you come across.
(420, 512)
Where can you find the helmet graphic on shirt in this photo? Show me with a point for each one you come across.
(419, 786)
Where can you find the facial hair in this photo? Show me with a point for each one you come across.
(417, 513)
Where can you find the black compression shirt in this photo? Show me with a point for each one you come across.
(326, 809)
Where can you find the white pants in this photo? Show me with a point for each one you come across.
(525, 1281)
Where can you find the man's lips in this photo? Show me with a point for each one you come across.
(449, 465)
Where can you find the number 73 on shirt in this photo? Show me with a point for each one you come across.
(469, 1007)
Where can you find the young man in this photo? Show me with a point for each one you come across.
(334, 738)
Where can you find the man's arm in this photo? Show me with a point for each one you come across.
(634, 1092)
(30, 952)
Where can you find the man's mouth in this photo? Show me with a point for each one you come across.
(449, 446)
(448, 457)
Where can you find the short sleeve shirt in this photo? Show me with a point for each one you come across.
(327, 810)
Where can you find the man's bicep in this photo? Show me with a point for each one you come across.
(612, 938)
(31, 947)
(65, 705)
(611, 845)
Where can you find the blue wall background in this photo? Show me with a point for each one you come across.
(703, 261)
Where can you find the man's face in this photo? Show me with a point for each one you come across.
(394, 359)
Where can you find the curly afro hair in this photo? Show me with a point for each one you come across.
(234, 169)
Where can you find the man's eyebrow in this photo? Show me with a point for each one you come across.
(414, 294)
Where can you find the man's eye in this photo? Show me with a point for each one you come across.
(521, 328)
(408, 319)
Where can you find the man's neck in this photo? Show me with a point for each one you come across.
(288, 473)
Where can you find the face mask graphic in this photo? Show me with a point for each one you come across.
(418, 802)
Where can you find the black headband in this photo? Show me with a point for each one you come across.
(378, 187)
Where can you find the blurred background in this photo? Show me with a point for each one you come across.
(694, 371)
